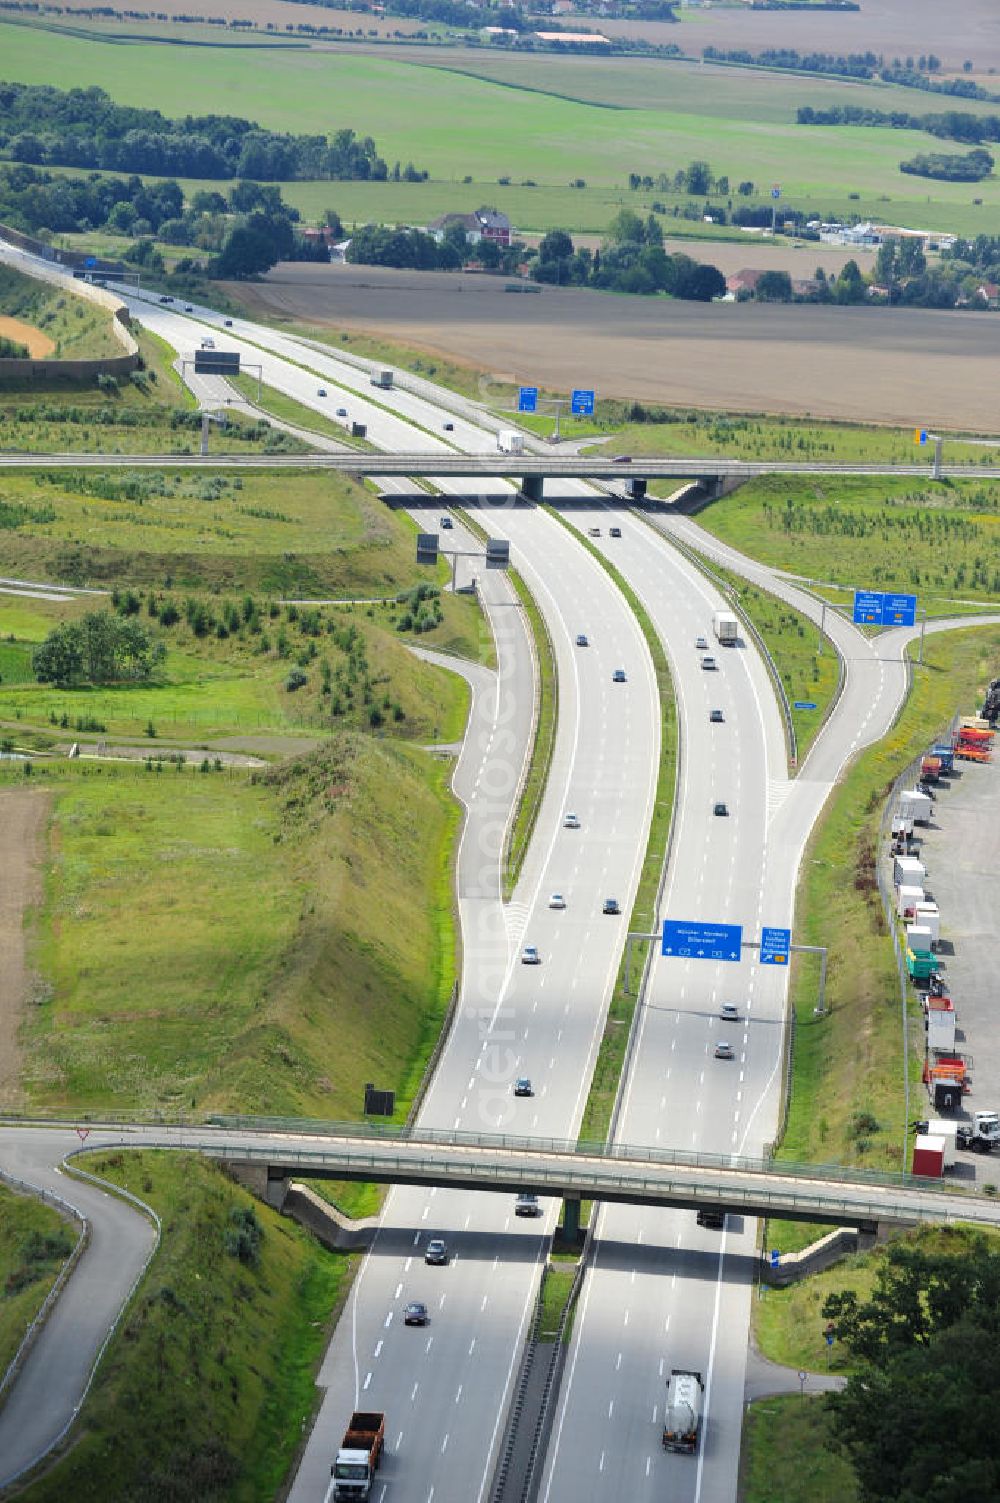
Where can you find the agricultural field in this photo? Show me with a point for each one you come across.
(382, 95)
(800, 360)
(939, 539)
(207, 1387)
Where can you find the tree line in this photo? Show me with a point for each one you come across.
(953, 125)
(631, 259)
(964, 167)
(910, 72)
(45, 126)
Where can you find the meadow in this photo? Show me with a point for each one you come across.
(78, 329)
(549, 137)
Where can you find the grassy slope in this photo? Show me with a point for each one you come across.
(938, 539)
(34, 1242)
(81, 330)
(304, 920)
(786, 1458)
(384, 96)
(204, 1394)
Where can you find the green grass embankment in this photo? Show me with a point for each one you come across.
(206, 1389)
(847, 1082)
(78, 328)
(937, 539)
(294, 933)
(543, 742)
(35, 1242)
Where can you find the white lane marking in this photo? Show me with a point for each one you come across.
(367, 1381)
(378, 1347)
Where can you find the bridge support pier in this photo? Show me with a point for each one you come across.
(570, 1230)
(269, 1185)
(531, 489)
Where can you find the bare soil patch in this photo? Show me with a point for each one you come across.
(39, 344)
(23, 814)
(890, 365)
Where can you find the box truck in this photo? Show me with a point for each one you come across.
(726, 628)
(917, 805)
(907, 899)
(510, 442)
(382, 379)
(928, 1156)
(908, 871)
(929, 915)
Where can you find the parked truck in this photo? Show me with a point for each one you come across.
(383, 379)
(991, 704)
(945, 750)
(946, 1077)
(940, 1017)
(360, 1452)
(920, 965)
(982, 1134)
(510, 442)
(726, 628)
(930, 769)
(916, 805)
(682, 1411)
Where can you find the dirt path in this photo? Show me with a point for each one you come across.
(23, 814)
(39, 344)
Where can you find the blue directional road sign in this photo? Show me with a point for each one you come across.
(899, 610)
(804, 704)
(527, 399)
(693, 941)
(776, 191)
(582, 402)
(868, 608)
(775, 1257)
(90, 261)
(774, 946)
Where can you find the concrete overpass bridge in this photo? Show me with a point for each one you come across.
(528, 471)
(270, 1153)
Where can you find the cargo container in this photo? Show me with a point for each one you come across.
(918, 937)
(908, 871)
(928, 1156)
(940, 1018)
(510, 442)
(929, 915)
(948, 1132)
(907, 899)
(974, 723)
(726, 628)
(920, 965)
(383, 379)
(916, 804)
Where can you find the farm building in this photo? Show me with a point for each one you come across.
(482, 224)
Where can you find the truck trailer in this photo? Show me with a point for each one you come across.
(383, 379)
(726, 627)
(360, 1452)
(682, 1411)
(509, 441)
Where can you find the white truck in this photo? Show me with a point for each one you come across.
(940, 1015)
(509, 441)
(726, 628)
(682, 1411)
(982, 1134)
(383, 379)
(915, 805)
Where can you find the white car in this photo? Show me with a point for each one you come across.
(557, 900)
(729, 1012)
(571, 822)
(530, 956)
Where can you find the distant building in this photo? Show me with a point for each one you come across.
(498, 33)
(576, 37)
(482, 224)
(743, 281)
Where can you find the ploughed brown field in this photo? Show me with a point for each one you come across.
(892, 365)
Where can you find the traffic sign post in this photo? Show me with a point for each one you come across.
(922, 437)
(689, 940)
(804, 704)
(775, 1257)
(527, 399)
(867, 608)
(899, 610)
(581, 402)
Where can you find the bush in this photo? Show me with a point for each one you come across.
(296, 680)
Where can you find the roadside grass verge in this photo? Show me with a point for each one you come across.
(787, 1457)
(937, 539)
(459, 378)
(596, 1121)
(294, 933)
(791, 639)
(846, 1104)
(35, 1242)
(208, 1385)
(543, 743)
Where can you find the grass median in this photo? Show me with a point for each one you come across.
(207, 1388)
(35, 1242)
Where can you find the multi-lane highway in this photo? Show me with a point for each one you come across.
(661, 1291)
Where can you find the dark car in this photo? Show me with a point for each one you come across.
(166, 299)
(527, 1205)
(621, 459)
(721, 809)
(229, 323)
(582, 639)
(618, 677)
(715, 716)
(522, 1087)
(615, 532)
(448, 427)
(437, 1252)
(188, 308)
(713, 1221)
(611, 905)
(415, 1314)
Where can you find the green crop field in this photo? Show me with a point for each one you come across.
(34, 1243)
(509, 129)
(206, 1389)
